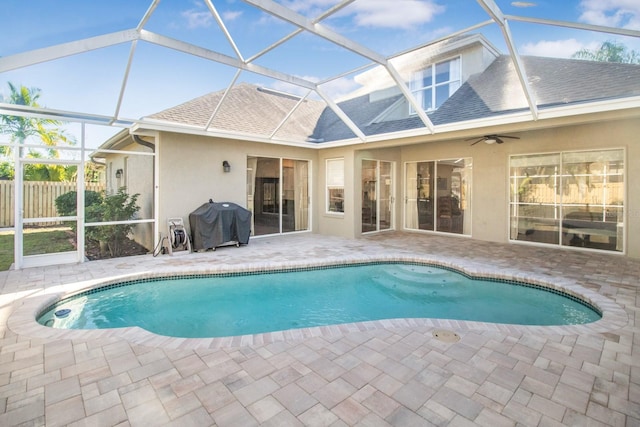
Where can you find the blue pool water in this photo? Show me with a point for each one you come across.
(248, 304)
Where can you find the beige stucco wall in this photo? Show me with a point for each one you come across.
(192, 173)
(335, 223)
(137, 177)
(490, 193)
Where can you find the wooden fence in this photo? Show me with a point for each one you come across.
(39, 199)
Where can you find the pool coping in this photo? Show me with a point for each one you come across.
(22, 320)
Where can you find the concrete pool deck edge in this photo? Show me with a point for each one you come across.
(23, 320)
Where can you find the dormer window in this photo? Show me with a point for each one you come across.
(433, 85)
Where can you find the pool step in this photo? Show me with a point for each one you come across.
(420, 275)
(419, 283)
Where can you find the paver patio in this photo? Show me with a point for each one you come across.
(370, 374)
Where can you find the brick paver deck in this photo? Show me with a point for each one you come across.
(368, 374)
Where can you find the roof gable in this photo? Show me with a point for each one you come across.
(249, 109)
(554, 82)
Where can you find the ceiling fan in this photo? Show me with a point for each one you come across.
(492, 139)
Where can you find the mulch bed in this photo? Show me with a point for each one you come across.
(128, 248)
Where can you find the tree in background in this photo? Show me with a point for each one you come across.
(609, 51)
(21, 128)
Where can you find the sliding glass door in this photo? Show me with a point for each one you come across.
(377, 195)
(278, 195)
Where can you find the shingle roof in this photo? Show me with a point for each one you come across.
(553, 81)
(248, 109)
(497, 90)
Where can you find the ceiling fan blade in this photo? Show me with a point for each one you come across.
(481, 139)
(498, 140)
(507, 136)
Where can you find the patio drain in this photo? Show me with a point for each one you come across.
(445, 336)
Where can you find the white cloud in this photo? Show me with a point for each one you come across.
(197, 18)
(556, 48)
(388, 14)
(231, 15)
(309, 7)
(612, 13)
(404, 14)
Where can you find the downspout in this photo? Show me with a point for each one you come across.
(141, 141)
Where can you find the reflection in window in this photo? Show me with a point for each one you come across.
(335, 185)
(270, 197)
(569, 199)
(438, 195)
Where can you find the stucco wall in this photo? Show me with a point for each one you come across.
(137, 177)
(490, 191)
(192, 173)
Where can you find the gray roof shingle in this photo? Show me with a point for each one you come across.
(248, 109)
(497, 90)
(553, 82)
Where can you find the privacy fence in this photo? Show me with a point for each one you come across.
(39, 199)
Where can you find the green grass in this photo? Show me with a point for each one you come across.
(36, 241)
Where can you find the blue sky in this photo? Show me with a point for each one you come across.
(160, 78)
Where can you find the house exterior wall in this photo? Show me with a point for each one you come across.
(378, 84)
(137, 177)
(337, 224)
(490, 186)
(191, 172)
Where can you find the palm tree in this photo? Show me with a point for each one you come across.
(18, 127)
(21, 128)
(609, 51)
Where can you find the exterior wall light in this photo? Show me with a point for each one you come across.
(226, 166)
(119, 173)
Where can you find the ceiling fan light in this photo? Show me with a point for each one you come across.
(490, 141)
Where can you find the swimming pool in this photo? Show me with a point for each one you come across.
(239, 304)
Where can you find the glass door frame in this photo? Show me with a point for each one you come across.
(252, 188)
(377, 194)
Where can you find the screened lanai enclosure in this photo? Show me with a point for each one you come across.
(82, 129)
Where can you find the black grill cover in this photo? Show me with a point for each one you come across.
(214, 224)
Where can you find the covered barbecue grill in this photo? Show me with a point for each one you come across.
(217, 224)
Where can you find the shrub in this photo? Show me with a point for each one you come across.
(116, 207)
(66, 205)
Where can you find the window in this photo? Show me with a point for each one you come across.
(335, 185)
(569, 199)
(436, 83)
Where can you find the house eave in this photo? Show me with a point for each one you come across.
(146, 124)
(517, 121)
(520, 121)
